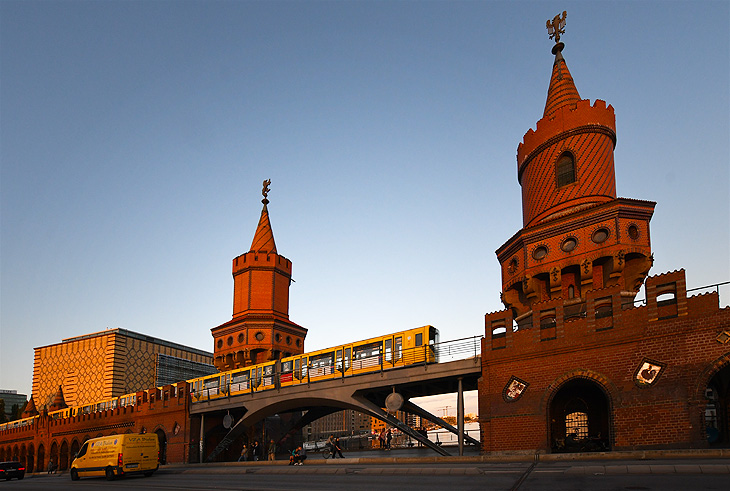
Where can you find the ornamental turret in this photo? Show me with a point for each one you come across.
(260, 329)
(577, 235)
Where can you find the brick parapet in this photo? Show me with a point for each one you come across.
(562, 121)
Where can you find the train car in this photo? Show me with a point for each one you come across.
(18, 423)
(413, 346)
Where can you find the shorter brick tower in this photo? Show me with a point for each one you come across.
(260, 329)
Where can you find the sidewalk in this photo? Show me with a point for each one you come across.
(637, 462)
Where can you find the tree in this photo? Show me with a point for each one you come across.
(3, 416)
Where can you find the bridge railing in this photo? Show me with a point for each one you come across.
(459, 349)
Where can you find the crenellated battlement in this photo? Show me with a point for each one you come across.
(254, 259)
(567, 120)
(598, 315)
(161, 410)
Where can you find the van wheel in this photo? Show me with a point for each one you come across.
(74, 475)
(148, 473)
(109, 474)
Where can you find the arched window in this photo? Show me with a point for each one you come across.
(565, 170)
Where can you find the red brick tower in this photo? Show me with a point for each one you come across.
(260, 329)
(577, 235)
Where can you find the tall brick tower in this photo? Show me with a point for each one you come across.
(260, 329)
(577, 235)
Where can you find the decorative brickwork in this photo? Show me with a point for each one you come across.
(260, 329)
(594, 371)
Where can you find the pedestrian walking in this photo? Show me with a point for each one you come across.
(337, 448)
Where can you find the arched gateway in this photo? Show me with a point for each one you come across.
(579, 417)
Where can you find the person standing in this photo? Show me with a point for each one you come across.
(272, 450)
(255, 450)
(244, 454)
(381, 439)
(388, 437)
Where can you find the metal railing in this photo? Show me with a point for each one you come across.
(642, 302)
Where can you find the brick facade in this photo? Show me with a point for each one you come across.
(163, 411)
(572, 364)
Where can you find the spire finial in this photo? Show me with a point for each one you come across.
(265, 191)
(555, 28)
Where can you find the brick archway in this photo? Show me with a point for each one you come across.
(581, 400)
(41, 460)
(713, 407)
(162, 439)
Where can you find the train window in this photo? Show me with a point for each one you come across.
(347, 358)
(286, 367)
(323, 360)
(240, 377)
(338, 360)
(433, 335)
(419, 339)
(398, 347)
(211, 383)
(367, 350)
(298, 369)
(257, 377)
(388, 349)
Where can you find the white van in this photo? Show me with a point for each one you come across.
(117, 455)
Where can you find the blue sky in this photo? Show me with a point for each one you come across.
(134, 137)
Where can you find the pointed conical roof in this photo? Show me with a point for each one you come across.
(562, 91)
(30, 409)
(58, 401)
(263, 240)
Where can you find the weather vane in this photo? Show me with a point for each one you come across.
(556, 27)
(265, 191)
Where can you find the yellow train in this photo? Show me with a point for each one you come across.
(411, 347)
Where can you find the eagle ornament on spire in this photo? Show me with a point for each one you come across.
(556, 27)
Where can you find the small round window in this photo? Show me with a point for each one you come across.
(220, 343)
(540, 252)
(298, 342)
(513, 265)
(240, 338)
(229, 340)
(633, 232)
(288, 340)
(277, 336)
(569, 244)
(600, 235)
(259, 336)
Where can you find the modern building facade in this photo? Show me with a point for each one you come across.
(11, 399)
(111, 363)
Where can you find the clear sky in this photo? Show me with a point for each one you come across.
(135, 135)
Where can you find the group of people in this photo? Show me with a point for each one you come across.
(254, 452)
(384, 439)
(297, 457)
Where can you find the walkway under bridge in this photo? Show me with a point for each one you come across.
(367, 393)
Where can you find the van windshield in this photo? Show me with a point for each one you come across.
(82, 452)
